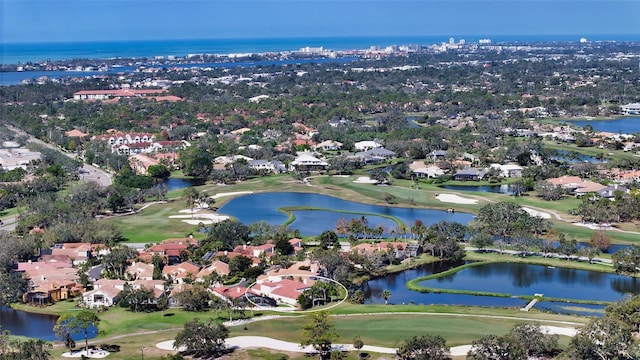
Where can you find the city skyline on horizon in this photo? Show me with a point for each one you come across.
(39, 21)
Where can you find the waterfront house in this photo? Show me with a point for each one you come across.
(470, 174)
(631, 109)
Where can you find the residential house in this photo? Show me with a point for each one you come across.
(179, 272)
(508, 170)
(328, 145)
(267, 166)
(437, 155)
(49, 282)
(631, 109)
(576, 185)
(219, 267)
(470, 174)
(308, 162)
(104, 294)
(284, 291)
(399, 250)
(609, 192)
(428, 172)
(366, 145)
(378, 153)
(234, 293)
(140, 271)
(256, 251)
(119, 138)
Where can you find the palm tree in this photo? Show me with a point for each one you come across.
(386, 294)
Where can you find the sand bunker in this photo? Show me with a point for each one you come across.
(453, 198)
(537, 213)
(365, 180)
(199, 217)
(219, 195)
(94, 354)
(593, 226)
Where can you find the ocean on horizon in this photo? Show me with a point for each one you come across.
(21, 53)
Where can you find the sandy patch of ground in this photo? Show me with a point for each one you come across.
(199, 217)
(365, 180)
(453, 198)
(559, 330)
(461, 350)
(219, 195)
(537, 213)
(269, 343)
(94, 354)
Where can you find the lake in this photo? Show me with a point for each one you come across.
(574, 158)
(179, 183)
(512, 278)
(400, 294)
(625, 125)
(39, 326)
(252, 208)
(524, 279)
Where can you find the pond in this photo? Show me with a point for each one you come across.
(252, 208)
(400, 294)
(39, 326)
(180, 183)
(526, 279)
(625, 125)
(499, 189)
(511, 278)
(574, 158)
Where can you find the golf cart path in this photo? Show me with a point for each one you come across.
(244, 342)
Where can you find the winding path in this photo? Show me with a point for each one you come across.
(275, 344)
(244, 342)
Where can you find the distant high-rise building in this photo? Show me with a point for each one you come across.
(461, 42)
(583, 40)
(452, 41)
(484, 41)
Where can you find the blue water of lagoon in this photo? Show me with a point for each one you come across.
(515, 279)
(625, 125)
(252, 208)
(39, 326)
(177, 183)
(525, 279)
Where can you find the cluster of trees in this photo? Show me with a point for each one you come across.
(81, 322)
(320, 293)
(599, 210)
(610, 337)
(13, 250)
(23, 349)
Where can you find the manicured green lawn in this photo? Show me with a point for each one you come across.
(390, 329)
(153, 224)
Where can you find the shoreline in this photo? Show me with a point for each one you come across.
(265, 45)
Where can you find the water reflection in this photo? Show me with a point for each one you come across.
(252, 208)
(525, 279)
(39, 326)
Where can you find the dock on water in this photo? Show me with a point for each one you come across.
(532, 302)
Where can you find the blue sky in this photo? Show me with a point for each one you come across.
(98, 20)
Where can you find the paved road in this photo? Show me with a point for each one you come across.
(87, 172)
